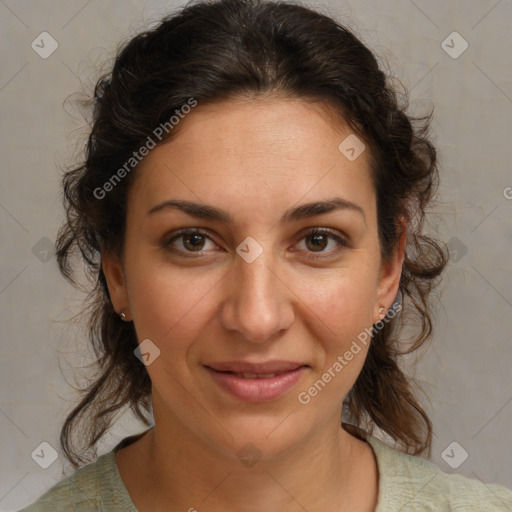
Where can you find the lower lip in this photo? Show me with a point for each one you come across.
(257, 390)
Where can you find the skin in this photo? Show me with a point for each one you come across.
(255, 159)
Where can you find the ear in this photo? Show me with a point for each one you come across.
(114, 275)
(389, 279)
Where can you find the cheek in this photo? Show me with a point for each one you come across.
(340, 304)
(172, 306)
(169, 306)
(340, 310)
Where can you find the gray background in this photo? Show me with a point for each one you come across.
(466, 372)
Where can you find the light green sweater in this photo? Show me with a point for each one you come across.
(406, 483)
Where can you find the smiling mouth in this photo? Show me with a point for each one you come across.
(258, 385)
(253, 375)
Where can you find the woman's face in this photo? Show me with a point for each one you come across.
(250, 284)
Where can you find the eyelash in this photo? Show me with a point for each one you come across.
(343, 244)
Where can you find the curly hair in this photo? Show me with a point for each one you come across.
(216, 50)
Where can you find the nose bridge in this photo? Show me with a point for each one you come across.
(258, 305)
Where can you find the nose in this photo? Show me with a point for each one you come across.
(259, 303)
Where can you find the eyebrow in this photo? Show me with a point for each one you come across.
(304, 211)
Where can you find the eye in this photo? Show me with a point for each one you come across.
(191, 240)
(317, 240)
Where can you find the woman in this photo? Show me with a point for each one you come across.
(250, 210)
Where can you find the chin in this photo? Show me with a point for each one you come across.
(257, 437)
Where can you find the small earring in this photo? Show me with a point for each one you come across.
(382, 312)
(122, 316)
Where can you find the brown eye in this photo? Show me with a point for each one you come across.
(318, 240)
(193, 242)
(188, 241)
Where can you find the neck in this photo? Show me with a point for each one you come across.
(329, 471)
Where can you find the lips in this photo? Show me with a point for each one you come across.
(256, 382)
(269, 367)
(255, 375)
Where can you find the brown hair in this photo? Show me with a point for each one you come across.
(213, 51)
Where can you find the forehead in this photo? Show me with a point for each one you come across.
(264, 152)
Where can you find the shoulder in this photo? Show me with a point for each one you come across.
(414, 483)
(95, 487)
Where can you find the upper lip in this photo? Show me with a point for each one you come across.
(248, 367)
